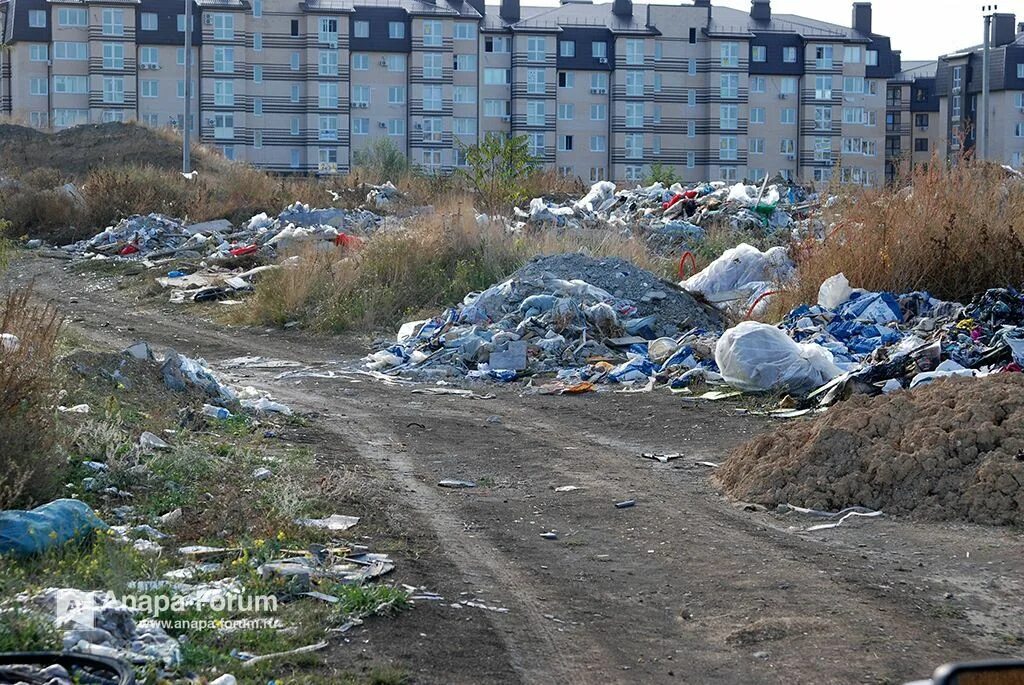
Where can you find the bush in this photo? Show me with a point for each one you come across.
(29, 469)
(953, 231)
(496, 169)
(661, 173)
(381, 162)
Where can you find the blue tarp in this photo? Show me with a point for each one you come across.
(52, 525)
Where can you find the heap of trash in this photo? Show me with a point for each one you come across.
(678, 211)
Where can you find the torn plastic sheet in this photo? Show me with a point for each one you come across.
(839, 516)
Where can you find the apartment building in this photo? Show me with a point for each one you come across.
(599, 90)
(914, 132)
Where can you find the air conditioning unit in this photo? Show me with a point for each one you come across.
(790, 156)
(383, 61)
(382, 124)
(506, 118)
(602, 60)
(208, 19)
(418, 127)
(782, 96)
(210, 121)
(595, 91)
(362, 105)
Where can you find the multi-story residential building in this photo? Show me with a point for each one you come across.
(599, 90)
(913, 131)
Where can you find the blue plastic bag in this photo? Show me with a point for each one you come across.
(24, 533)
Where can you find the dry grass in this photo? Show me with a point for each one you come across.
(953, 231)
(434, 264)
(29, 469)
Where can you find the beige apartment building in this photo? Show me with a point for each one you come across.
(601, 91)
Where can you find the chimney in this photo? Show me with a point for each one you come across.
(509, 11)
(1003, 29)
(1020, 27)
(761, 10)
(479, 6)
(862, 17)
(622, 8)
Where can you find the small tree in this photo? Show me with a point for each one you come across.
(382, 162)
(497, 167)
(661, 173)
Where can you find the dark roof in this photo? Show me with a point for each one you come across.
(729, 21)
(445, 7)
(574, 14)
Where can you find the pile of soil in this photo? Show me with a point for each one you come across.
(77, 150)
(627, 281)
(952, 450)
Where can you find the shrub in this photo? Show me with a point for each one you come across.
(29, 469)
(381, 162)
(661, 173)
(496, 169)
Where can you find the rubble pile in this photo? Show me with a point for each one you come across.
(949, 451)
(576, 317)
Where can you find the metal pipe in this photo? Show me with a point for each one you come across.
(186, 147)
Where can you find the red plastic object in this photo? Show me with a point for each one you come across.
(128, 249)
(759, 298)
(675, 199)
(682, 264)
(243, 251)
(690, 194)
(346, 240)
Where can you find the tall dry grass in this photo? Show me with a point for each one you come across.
(432, 264)
(30, 469)
(953, 231)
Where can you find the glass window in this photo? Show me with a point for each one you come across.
(599, 83)
(360, 61)
(730, 54)
(535, 81)
(634, 51)
(871, 58)
(789, 55)
(728, 117)
(599, 50)
(634, 115)
(535, 112)
(566, 112)
(497, 77)
(223, 59)
(113, 56)
(567, 48)
(598, 112)
(432, 35)
(149, 56)
(328, 63)
(361, 28)
(464, 95)
(758, 84)
(496, 44)
(396, 63)
(536, 49)
(223, 26)
(327, 31)
(823, 57)
(396, 29)
(150, 21)
(758, 53)
(432, 65)
(327, 95)
(634, 83)
(465, 62)
(224, 93)
(396, 127)
(74, 16)
(729, 148)
(729, 86)
(113, 22)
(465, 31)
(360, 95)
(396, 95)
(432, 98)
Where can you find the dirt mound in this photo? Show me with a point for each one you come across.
(75, 151)
(950, 450)
(652, 295)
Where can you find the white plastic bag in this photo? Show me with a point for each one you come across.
(742, 268)
(834, 291)
(757, 357)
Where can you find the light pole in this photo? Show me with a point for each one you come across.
(988, 11)
(186, 147)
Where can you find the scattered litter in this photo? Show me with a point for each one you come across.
(469, 394)
(567, 488)
(451, 483)
(663, 458)
(150, 441)
(625, 504)
(77, 409)
(549, 535)
(334, 522)
(46, 527)
(291, 652)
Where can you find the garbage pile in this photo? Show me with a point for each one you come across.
(679, 212)
(580, 319)
(742, 278)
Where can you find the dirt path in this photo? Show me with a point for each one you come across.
(682, 587)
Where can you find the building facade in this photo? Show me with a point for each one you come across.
(600, 91)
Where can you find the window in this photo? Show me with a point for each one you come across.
(729, 86)
(822, 87)
(296, 126)
(655, 145)
(75, 16)
(223, 59)
(691, 68)
(599, 83)
(788, 86)
(535, 144)
(659, 50)
(181, 23)
(598, 112)
(822, 118)
(329, 95)
(72, 85)
(464, 95)
(564, 143)
(296, 161)
(328, 129)
(497, 77)
(787, 147)
(496, 44)
(728, 117)
(360, 61)
(40, 53)
(691, 97)
(396, 127)
(596, 174)
(921, 145)
(224, 93)
(38, 86)
(361, 28)
(853, 146)
(535, 112)
(396, 30)
(789, 55)
(149, 56)
(787, 116)
(181, 89)
(634, 144)
(328, 63)
(432, 65)
(656, 114)
(432, 160)
(566, 79)
(257, 73)
(497, 108)
(567, 48)
(853, 85)
(151, 120)
(956, 107)
(822, 150)
(823, 57)
(113, 89)
(257, 107)
(113, 115)
(223, 26)
(958, 77)
(257, 8)
(758, 84)
(37, 19)
(396, 95)
(566, 112)
(634, 115)
(180, 57)
(730, 54)
(257, 41)
(432, 98)
(921, 120)
(432, 130)
(822, 175)
(396, 63)
(851, 54)
(1020, 71)
(634, 51)
(634, 83)
(465, 31)
(691, 129)
(634, 172)
(327, 155)
(113, 22)
(535, 49)
(432, 35)
(756, 146)
(327, 32)
(657, 83)
(360, 126)
(871, 58)
(464, 126)
(70, 117)
(728, 148)
(465, 62)
(113, 56)
(691, 160)
(758, 53)
(599, 50)
(757, 115)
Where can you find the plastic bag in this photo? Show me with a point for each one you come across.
(743, 268)
(51, 525)
(834, 291)
(757, 357)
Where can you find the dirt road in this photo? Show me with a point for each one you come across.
(682, 587)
